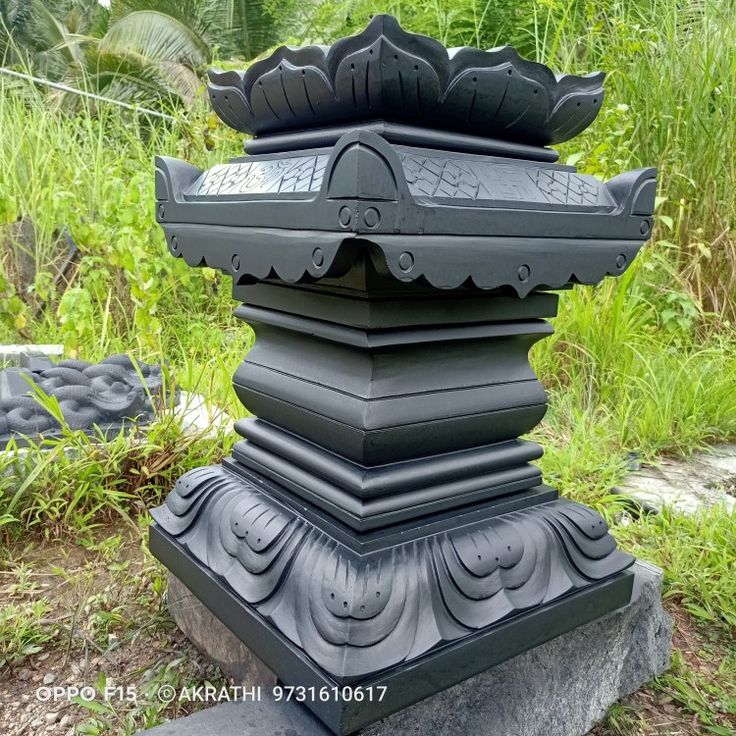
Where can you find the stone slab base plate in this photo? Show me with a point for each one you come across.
(211, 637)
(560, 688)
(423, 678)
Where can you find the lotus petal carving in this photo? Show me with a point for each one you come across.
(386, 73)
(357, 614)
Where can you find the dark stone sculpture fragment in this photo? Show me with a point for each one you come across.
(107, 395)
(394, 239)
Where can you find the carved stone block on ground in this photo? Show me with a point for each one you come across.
(114, 394)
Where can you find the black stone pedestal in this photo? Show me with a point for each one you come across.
(381, 524)
(346, 702)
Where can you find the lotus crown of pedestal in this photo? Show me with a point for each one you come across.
(386, 73)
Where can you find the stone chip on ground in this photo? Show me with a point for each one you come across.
(706, 479)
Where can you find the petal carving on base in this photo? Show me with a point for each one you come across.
(357, 614)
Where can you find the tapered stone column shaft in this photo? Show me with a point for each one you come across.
(398, 418)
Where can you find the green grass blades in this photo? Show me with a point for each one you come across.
(23, 630)
(92, 174)
(698, 556)
(69, 486)
(707, 692)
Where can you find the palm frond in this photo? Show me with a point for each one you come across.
(127, 77)
(155, 36)
(51, 34)
(252, 29)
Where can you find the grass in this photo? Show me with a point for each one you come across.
(22, 631)
(709, 697)
(673, 85)
(91, 613)
(643, 364)
(93, 175)
(72, 485)
(698, 555)
(624, 720)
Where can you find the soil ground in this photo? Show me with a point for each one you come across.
(100, 622)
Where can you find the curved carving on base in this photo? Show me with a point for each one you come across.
(354, 614)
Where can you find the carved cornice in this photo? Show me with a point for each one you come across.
(447, 218)
(385, 73)
(355, 614)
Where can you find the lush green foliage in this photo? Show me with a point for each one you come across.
(79, 482)
(93, 176)
(698, 561)
(22, 632)
(137, 50)
(643, 364)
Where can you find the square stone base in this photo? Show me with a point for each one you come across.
(211, 637)
(560, 688)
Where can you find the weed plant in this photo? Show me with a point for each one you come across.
(644, 364)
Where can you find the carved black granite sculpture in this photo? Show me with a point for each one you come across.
(394, 240)
(108, 396)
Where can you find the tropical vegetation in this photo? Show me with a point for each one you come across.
(639, 367)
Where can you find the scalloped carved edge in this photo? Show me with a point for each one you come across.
(384, 72)
(354, 614)
(296, 265)
(447, 261)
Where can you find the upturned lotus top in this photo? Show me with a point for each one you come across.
(385, 73)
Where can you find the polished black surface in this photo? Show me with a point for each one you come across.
(389, 74)
(381, 520)
(404, 684)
